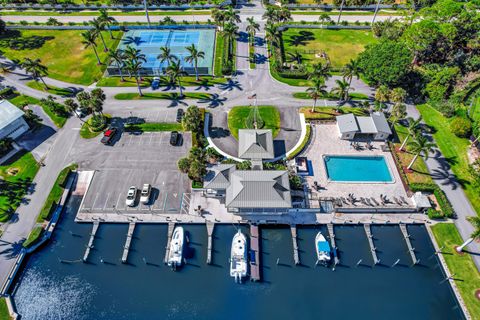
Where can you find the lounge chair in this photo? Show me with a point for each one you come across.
(375, 201)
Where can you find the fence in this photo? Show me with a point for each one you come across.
(80, 7)
(114, 28)
(321, 26)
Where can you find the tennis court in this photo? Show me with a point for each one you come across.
(149, 43)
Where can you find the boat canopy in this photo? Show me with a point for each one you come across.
(323, 246)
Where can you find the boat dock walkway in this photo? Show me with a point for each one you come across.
(332, 243)
(255, 248)
(373, 250)
(296, 257)
(411, 250)
(96, 224)
(210, 228)
(126, 248)
(171, 227)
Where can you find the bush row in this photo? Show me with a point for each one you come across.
(443, 202)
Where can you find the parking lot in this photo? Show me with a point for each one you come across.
(133, 160)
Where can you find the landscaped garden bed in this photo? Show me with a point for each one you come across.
(162, 95)
(329, 113)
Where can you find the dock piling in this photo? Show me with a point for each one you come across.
(255, 248)
(331, 233)
(171, 227)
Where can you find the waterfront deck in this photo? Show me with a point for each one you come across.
(255, 247)
(331, 234)
(373, 250)
(171, 227)
(126, 247)
(296, 257)
(96, 224)
(411, 250)
(210, 228)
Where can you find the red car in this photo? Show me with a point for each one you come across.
(108, 136)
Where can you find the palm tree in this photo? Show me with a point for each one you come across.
(89, 38)
(219, 17)
(193, 57)
(98, 27)
(107, 20)
(36, 69)
(272, 34)
(232, 16)
(118, 57)
(399, 112)
(350, 70)
(229, 31)
(72, 107)
(475, 234)
(284, 15)
(134, 67)
(166, 55)
(270, 15)
(295, 57)
(252, 27)
(133, 54)
(174, 70)
(342, 89)
(317, 90)
(412, 129)
(418, 146)
(320, 70)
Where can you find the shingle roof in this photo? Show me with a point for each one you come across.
(8, 113)
(218, 176)
(255, 144)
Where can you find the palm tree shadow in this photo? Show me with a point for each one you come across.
(213, 101)
(231, 85)
(204, 84)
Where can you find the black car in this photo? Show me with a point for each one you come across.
(180, 115)
(174, 137)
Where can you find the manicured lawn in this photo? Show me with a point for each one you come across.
(476, 107)
(33, 237)
(304, 143)
(344, 13)
(219, 51)
(155, 127)
(51, 89)
(22, 100)
(112, 13)
(238, 115)
(162, 95)
(4, 315)
(329, 96)
(461, 266)
(17, 175)
(204, 81)
(329, 113)
(454, 149)
(61, 51)
(340, 45)
(251, 53)
(86, 130)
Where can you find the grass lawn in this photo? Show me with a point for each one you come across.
(51, 89)
(238, 115)
(22, 100)
(61, 51)
(454, 149)
(17, 175)
(475, 112)
(329, 96)
(329, 113)
(303, 144)
(162, 95)
(33, 237)
(86, 131)
(204, 81)
(251, 54)
(112, 13)
(340, 45)
(345, 13)
(462, 267)
(154, 127)
(4, 315)
(219, 48)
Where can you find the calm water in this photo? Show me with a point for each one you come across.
(361, 168)
(146, 289)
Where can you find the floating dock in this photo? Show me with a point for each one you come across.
(411, 250)
(210, 227)
(332, 243)
(126, 248)
(96, 224)
(255, 248)
(171, 227)
(296, 257)
(373, 250)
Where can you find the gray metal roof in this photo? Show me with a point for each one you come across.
(259, 189)
(366, 125)
(218, 176)
(8, 113)
(347, 123)
(255, 144)
(380, 122)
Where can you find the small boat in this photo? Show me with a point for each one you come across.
(175, 254)
(323, 249)
(238, 257)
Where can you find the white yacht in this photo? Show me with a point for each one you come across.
(238, 257)
(175, 254)
(323, 249)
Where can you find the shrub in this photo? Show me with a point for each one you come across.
(445, 107)
(461, 127)
(442, 200)
(434, 214)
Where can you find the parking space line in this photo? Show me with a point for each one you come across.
(106, 201)
(118, 199)
(96, 197)
(158, 116)
(166, 116)
(151, 137)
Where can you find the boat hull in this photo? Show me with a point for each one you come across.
(175, 253)
(238, 257)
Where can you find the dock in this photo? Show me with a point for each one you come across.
(210, 228)
(296, 257)
(373, 250)
(411, 250)
(332, 243)
(96, 224)
(255, 248)
(171, 227)
(126, 247)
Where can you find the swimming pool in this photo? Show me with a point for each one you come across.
(357, 169)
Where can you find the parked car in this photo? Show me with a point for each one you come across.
(80, 113)
(145, 195)
(131, 196)
(108, 136)
(174, 137)
(155, 83)
(180, 115)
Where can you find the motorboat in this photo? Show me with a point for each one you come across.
(175, 254)
(238, 257)
(323, 249)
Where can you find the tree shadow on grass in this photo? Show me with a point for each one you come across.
(300, 39)
(14, 40)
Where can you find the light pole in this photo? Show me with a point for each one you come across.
(146, 12)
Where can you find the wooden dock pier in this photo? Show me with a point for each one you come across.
(411, 250)
(96, 224)
(331, 234)
(171, 227)
(255, 248)
(210, 228)
(296, 257)
(126, 248)
(373, 250)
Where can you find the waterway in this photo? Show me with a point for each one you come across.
(147, 289)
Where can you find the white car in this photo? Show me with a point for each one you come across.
(145, 195)
(131, 196)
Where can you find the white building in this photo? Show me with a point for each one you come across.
(12, 124)
(374, 127)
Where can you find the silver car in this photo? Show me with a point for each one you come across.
(131, 196)
(145, 195)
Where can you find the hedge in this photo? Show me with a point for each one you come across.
(443, 202)
(304, 143)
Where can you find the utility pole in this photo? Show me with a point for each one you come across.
(146, 12)
(376, 11)
(341, 9)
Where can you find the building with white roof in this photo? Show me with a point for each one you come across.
(12, 123)
(374, 126)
